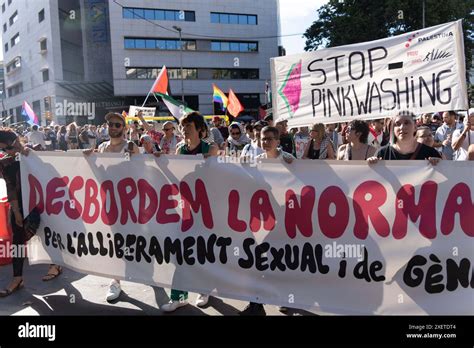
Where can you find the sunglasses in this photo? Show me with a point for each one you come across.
(115, 124)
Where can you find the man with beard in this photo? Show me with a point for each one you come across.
(116, 144)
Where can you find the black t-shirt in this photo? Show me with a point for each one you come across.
(389, 153)
(286, 143)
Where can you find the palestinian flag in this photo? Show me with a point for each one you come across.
(177, 108)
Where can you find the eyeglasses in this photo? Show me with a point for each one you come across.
(115, 124)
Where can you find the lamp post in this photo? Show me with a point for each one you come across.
(178, 29)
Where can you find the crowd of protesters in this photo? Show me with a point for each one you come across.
(430, 137)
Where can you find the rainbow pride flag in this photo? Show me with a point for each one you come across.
(219, 97)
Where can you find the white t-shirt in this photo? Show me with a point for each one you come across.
(300, 144)
(460, 154)
(36, 137)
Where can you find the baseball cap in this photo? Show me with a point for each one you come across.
(111, 115)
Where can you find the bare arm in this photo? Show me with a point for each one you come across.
(145, 124)
(330, 152)
(306, 149)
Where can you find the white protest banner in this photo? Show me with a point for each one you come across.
(422, 71)
(147, 112)
(342, 237)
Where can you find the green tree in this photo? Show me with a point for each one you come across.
(351, 21)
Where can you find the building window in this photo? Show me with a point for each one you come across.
(41, 16)
(3, 7)
(43, 45)
(152, 73)
(15, 90)
(15, 40)
(13, 65)
(160, 44)
(6, 47)
(235, 74)
(233, 18)
(14, 18)
(45, 75)
(234, 46)
(158, 14)
(9, 2)
(5, 27)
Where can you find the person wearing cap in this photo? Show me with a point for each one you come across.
(117, 144)
(269, 120)
(217, 122)
(169, 141)
(463, 138)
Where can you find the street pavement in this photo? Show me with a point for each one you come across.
(74, 293)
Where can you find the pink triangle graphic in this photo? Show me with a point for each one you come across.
(292, 89)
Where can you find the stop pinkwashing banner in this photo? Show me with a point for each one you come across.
(420, 71)
(340, 237)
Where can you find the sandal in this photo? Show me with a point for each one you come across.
(51, 276)
(8, 292)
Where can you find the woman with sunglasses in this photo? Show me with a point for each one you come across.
(237, 139)
(320, 146)
(169, 140)
(404, 144)
(356, 148)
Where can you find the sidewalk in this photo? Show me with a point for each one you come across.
(74, 293)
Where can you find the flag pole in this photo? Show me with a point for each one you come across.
(148, 96)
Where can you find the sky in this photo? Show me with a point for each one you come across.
(295, 17)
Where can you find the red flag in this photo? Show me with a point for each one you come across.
(161, 82)
(234, 107)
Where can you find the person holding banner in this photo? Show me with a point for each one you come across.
(270, 137)
(10, 169)
(320, 146)
(357, 148)
(194, 128)
(405, 145)
(117, 144)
